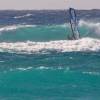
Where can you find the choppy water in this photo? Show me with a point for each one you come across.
(38, 62)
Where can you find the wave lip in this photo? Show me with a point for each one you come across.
(84, 44)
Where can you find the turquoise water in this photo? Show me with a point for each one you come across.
(55, 76)
(47, 75)
(42, 33)
(49, 84)
(36, 33)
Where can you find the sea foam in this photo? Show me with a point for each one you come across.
(84, 44)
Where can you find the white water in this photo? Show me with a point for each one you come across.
(26, 15)
(14, 27)
(90, 25)
(84, 44)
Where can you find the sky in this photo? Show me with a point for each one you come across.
(49, 4)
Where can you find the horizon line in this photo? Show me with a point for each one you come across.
(47, 9)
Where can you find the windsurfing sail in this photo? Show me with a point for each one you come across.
(74, 24)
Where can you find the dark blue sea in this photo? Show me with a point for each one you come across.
(39, 62)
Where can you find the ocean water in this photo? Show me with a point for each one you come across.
(38, 62)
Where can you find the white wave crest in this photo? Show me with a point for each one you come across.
(24, 69)
(84, 44)
(26, 15)
(88, 23)
(91, 73)
(94, 27)
(14, 27)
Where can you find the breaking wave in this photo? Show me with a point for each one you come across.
(93, 27)
(82, 23)
(14, 27)
(89, 24)
(84, 44)
(18, 26)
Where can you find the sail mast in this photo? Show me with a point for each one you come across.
(74, 24)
